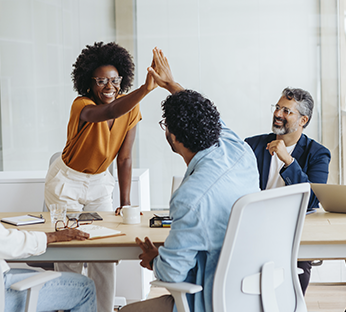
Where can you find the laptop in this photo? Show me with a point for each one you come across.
(331, 196)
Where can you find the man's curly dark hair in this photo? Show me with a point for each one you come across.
(193, 119)
(101, 54)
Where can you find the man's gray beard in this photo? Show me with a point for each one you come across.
(283, 130)
(279, 131)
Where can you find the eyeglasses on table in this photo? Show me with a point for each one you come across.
(71, 224)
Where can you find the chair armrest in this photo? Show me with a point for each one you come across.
(181, 287)
(21, 265)
(179, 291)
(300, 271)
(36, 280)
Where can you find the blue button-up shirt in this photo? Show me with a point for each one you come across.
(215, 178)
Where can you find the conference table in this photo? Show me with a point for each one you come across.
(100, 250)
(323, 237)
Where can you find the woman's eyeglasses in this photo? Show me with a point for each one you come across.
(102, 82)
(71, 224)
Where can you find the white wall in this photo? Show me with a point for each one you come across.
(39, 42)
(240, 54)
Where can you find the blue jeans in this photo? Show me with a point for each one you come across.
(70, 292)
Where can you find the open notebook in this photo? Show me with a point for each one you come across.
(96, 231)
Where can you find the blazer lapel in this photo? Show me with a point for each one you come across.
(300, 147)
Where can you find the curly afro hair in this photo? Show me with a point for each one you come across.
(101, 54)
(193, 119)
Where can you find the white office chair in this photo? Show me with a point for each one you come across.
(257, 268)
(32, 284)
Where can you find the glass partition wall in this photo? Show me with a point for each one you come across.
(39, 42)
(240, 54)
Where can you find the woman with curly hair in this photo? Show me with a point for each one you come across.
(102, 126)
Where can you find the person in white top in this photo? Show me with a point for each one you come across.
(71, 292)
(287, 156)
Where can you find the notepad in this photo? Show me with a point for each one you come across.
(23, 220)
(96, 231)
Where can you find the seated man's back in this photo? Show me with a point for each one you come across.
(200, 208)
(220, 169)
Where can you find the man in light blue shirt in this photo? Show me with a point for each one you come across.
(220, 169)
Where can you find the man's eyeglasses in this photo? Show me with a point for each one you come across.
(286, 111)
(71, 224)
(102, 82)
(163, 124)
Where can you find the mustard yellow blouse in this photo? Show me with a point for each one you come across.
(94, 147)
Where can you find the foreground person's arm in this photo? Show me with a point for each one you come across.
(66, 235)
(16, 244)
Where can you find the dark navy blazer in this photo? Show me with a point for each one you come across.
(311, 162)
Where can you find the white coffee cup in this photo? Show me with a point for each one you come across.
(131, 214)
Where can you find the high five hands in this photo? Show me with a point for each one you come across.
(161, 72)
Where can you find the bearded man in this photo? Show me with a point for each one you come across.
(287, 156)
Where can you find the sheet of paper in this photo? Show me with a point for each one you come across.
(96, 231)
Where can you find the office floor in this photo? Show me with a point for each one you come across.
(155, 292)
(320, 297)
(326, 297)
